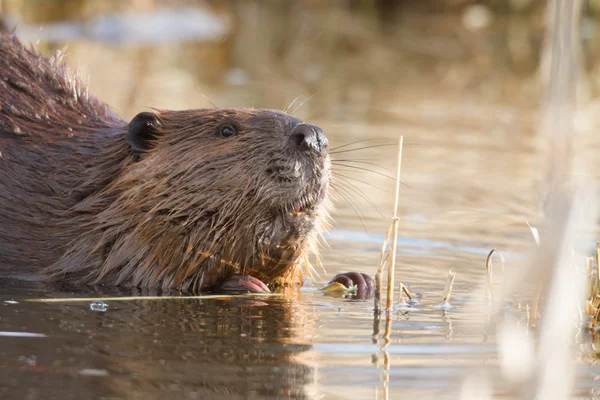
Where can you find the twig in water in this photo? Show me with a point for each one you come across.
(389, 257)
(598, 260)
(489, 276)
(392, 268)
(404, 289)
(384, 259)
(447, 290)
(592, 278)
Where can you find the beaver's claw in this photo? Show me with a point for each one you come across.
(363, 282)
(241, 283)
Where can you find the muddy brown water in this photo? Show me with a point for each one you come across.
(466, 105)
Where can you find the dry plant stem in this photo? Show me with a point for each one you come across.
(407, 292)
(489, 276)
(535, 306)
(448, 288)
(489, 295)
(598, 260)
(376, 326)
(383, 259)
(596, 311)
(404, 289)
(392, 267)
(592, 278)
(388, 330)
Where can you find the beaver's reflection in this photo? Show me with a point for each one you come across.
(236, 348)
(247, 347)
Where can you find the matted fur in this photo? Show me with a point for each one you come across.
(78, 205)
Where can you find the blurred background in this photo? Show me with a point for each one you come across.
(462, 80)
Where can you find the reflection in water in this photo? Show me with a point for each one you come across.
(235, 348)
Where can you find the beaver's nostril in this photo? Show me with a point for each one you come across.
(309, 137)
(298, 138)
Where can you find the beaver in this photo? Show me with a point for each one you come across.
(232, 199)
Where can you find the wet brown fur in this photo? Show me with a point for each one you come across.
(78, 205)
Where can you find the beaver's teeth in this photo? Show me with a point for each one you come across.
(296, 213)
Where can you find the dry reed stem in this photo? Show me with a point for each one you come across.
(448, 288)
(387, 331)
(386, 257)
(595, 312)
(592, 305)
(392, 267)
(489, 276)
(383, 259)
(598, 260)
(404, 289)
(407, 292)
(592, 278)
(593, 309)
(535, 305)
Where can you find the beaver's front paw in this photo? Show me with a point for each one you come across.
(241, 283)
(364, 283)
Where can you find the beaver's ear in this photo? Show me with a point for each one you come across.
(142, 132)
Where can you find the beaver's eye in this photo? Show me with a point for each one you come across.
(227, 131)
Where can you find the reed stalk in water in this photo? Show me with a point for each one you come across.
(390, 258)
(404, 290)
(489, 294)
(448, 289)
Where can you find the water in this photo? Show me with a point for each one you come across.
(466, 103)
(306, 347)
(98, 305)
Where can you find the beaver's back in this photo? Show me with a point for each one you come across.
(37, 93)
(50, 129)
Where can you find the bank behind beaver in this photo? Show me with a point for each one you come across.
(210, 198)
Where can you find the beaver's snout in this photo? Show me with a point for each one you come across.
(306, 136)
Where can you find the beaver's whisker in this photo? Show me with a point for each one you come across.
(354, 207)
(338, 174)
(207, 99)
(363, 148)
(353, 143)
(359, 192)
(357, 161)
(301, 104)
(285, 110)
(354, 167)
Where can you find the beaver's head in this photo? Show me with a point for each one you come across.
(247, 186)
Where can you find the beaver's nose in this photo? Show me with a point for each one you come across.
(309, 137)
